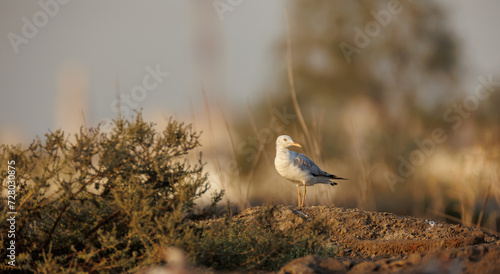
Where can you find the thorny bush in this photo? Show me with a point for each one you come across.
(97, 201)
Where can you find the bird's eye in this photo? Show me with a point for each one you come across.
(286, 139)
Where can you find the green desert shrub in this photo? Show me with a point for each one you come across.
(258, 243)
(101, 202)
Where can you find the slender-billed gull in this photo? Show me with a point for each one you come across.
(298, 168)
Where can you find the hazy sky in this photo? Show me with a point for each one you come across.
(69, 55)
(91, 43)
(476, 23)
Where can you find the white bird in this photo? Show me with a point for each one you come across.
(298, 168)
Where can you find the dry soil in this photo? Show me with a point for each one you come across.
(385, 242)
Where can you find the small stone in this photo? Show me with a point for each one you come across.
(364, 267)
(414, 258)
(304, 265)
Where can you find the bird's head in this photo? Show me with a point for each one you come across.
(286, 141)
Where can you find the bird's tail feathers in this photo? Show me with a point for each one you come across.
(335, 177)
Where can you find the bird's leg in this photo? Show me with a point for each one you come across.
(298, 187)
(304, 199)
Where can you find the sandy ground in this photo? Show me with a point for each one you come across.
(381, 242)
(385, 242)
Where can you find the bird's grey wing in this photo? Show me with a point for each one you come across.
(304, 163)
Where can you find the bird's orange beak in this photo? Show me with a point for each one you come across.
(296, 145)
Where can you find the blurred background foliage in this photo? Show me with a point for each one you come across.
(366, 111)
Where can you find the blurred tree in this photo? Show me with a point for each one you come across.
(400, 52)
(382, 64)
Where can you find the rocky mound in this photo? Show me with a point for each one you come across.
(365, 242)
(379, 241)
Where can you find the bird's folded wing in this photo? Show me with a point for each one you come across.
(307, 165)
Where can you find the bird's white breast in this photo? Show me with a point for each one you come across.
(285, 167)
